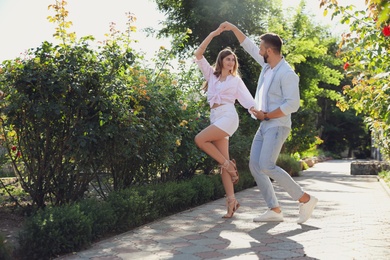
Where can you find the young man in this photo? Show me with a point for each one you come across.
(277, 97)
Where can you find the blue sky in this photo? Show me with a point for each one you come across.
(23, 23)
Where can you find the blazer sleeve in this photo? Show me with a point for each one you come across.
(252, 49)
(290, 89)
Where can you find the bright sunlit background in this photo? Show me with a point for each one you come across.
(24, 24)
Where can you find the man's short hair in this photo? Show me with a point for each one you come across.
(272, 40)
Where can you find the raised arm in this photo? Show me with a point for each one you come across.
(226, 26)
(202, 47)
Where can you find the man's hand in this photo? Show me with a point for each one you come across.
(226, 26)
(258, 113)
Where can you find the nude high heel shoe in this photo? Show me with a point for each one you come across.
(232, 206)
(233, 173)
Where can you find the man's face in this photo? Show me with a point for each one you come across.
(263, 51)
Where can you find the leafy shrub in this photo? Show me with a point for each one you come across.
(385, 175)
(54, 231)
(219, 191)
(289, 164)
(241, 141)
(101, 214)
(304, 165)
(204, 189)
(246, 180)
(131, 208)
(173, 197)
(69, 228)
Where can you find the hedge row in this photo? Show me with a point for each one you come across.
(74, 227)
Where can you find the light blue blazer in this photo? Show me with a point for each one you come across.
(283, 91)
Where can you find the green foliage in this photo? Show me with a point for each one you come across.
(69, 228)
(364, 52)
(178, 196)
(101, 214)
(203, 187)
(201, 15)
(241, 141)
(346, 132)
(51, 115)
(132, 209)
(74, 112)
(385, 175)
(11, 191)
(289, 164)
(304, 165)
(54, 231)
(309, 49)
(317, 152)
(219, 190)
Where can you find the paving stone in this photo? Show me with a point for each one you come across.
(351, 221)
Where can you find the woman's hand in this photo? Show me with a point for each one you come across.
(258, 113)
(226, 26)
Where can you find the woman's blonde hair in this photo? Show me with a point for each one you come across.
(219, 65)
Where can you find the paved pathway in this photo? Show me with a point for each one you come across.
(351, 221)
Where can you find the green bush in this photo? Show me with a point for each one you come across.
(132, 208)
(204, 189)
(173, 197)
(289, 164)
(304, 165)
(385, 175)
(241, 141)
(69, 228)
(219, 191)
(246, 180)
(101, 214)
(54, 231)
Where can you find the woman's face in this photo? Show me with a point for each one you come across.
(228, 62)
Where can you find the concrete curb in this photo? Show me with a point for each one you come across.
(384, 185)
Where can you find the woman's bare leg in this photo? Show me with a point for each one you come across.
(215, 143)
(205, 141)
(223, 146)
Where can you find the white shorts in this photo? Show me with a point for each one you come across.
(225, 117)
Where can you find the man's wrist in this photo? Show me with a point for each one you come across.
(266, 118)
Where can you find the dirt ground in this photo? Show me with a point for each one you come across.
(11, 219)
(10, 224)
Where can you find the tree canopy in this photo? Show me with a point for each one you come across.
(202, 15)
(364, 51)
(308, 47)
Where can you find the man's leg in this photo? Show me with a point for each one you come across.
(274, 139)
(273, 142)
(263, 182)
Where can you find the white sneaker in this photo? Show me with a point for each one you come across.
(306, 209)
(269, 216)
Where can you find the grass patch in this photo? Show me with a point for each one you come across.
(385, 175)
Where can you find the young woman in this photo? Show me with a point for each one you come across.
(224, 87)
